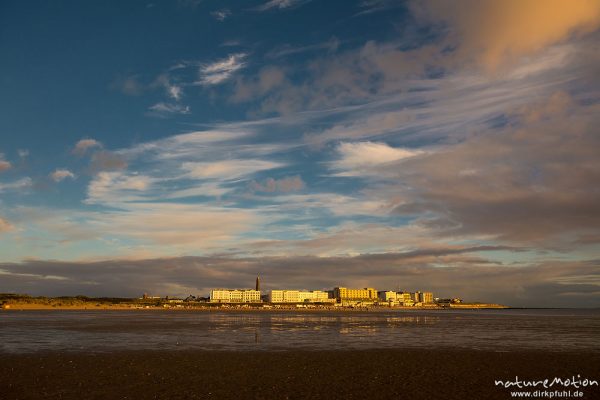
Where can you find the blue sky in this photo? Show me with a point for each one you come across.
(439, 147)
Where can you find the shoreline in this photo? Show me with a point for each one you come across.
(355, 374)
(215, 308)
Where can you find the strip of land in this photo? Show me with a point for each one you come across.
(24, 302)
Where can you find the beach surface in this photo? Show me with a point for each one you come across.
(362, 374)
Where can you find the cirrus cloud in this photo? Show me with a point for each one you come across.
(221, 70)
(163, 109)
(281, 4)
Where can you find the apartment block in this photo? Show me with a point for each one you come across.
(342, 293)
(297, 296)
(234, 296)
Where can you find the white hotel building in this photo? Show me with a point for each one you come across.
(406, 298)
(234, 296)
(298, 296)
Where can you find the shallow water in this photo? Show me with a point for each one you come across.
(105, 331)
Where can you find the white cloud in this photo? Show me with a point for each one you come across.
(23, 153)
(21, 184)
(229, 140)
(231, 43)
(331, 46)
(332, 203)
(227, 169)
(61, 174)
(196, 164)
(372, 6)
(221, 15)
(209, 189)
(112, 188)
(280, 4)
(84, 145)
(220, 71)
(175, 92)
(164, 109)
(360, 158)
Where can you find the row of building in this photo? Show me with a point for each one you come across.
(337, 295)
(406, 298)
(298, 296)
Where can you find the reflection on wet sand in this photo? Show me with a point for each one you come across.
(98, 331)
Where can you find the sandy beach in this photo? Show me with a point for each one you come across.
(381, 374)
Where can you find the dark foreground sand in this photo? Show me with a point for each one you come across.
(372, 374)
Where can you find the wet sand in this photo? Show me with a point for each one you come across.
(368, 374)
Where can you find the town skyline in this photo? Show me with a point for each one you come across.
(176, 146)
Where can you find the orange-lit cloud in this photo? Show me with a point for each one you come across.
(5, 226)
(84, 145)
(61, 174)
(181, 226)
(498, 31)
(4, 165)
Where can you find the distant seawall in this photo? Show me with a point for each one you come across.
(477, 305)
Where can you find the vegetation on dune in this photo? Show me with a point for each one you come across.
(64, 301)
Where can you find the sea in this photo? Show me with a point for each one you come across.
(553, 330)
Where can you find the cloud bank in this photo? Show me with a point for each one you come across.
(539, 285)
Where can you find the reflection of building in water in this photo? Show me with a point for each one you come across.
(392, 321)
(342, 293)
(298, 296)
(234, 296)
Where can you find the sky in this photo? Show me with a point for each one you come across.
(171, 147)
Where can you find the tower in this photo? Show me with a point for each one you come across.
(257, 283)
